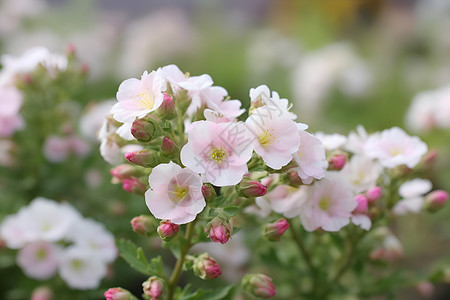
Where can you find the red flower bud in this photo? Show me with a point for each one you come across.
(205, 267)
(274, 231)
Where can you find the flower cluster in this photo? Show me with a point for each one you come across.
(54, 238)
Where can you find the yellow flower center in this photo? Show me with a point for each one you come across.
(218, 154)
(41, 254)
(324, 203)
(266, 138)
(395, 151)
(300, 151)
(178, 194)
(145, 100)
(77, 264)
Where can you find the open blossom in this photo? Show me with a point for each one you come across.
(412, 193)
(79, 269)
(310, 158)
(285, 200)
(329, 204)
(356, 140)
(260, 96)
(137, 97)
(174, 194)
(223, 112)
(331, 141)
(361, 172)
(274, 140)
(218, 151)
(393, 147)
(39, 259)
(10, 103)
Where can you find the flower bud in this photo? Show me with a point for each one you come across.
(42, 293)
(274, 231)
(144, 158)
(219, 230)
(390, 250)
(142, 224)
(133, 185)
(153, 288)
(294, 179)
(118, 294)
(259, 285)
(167, 110)
(337, 161)
(429, 158)
(208, 192)
(167, 230)
(425, 288)
(435, 200)
(252, 188)
(373, 194)
(362, 206)
(205, 267)
(124, 171)
(168, 147)
(143, 130)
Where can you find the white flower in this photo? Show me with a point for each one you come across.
(361, 172)
(393, 147)
(310, 158)
(17, 230)
(412, 192)
(261, 96)
(39, 259)
(287, 200)
(91, 120)
(80, 269)
(331, 141)
(356, 140)
(137, 97)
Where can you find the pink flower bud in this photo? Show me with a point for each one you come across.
(144, 158)
(362, 206)
(219, 230)
(42, 293)
(294, 179)
(167, 110)
(142, 224)
(143, 130)
(373, 194)
(208, 192)
(167, 230)
(259, 285)
(436, 200)
(118, 294)
(205, 267)
(70, 49)
(153, 288)
(337, 162)
(168, 146)
(429, 158)
(125, 171)
(133, 185)
(252, 188)
(274, 231)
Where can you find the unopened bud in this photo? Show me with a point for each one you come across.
(143, 130)
(429, 158)
(337, 161)
(168, 147)
(167, 230)
(425, 288)
(219, 230)
(362, 206)
(118, 294)
(134, 185)
(274, 231)
(208, 192)
(373, 194)
(142, 224)
(153, 288)
(144, 158)
(124, 171)
(294, 179)
(42, 293)
(167, 110)
(70, 50)
(435, 200)
(259, 285)
(205, 267)
(252, 188)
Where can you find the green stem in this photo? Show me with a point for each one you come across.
(179, 265)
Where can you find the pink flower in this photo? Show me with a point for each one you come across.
(205, 267)
(10, 103)
(38, 260)
(274, 140)
(174, 194)
(285, 200)
(310, 158)
(218, 151)
(224, 111)
(260, 96)
(393, 147)
(137, 97)
(329, 204)
(56, 149)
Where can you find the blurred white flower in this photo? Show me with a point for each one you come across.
(331, 141)
(93, 116)
(39, 259)
(361, 172)
(413, 192)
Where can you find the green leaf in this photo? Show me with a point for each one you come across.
(216, 294)
(156, 265)
(231, 211)
(134, 256)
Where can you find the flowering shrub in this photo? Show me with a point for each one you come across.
(204, 167)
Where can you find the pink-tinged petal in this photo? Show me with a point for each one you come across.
(335, 224)
(161, 207)
(226, 177)
(162, 174)
(363, 221)
(184, 220)
(127, 89)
